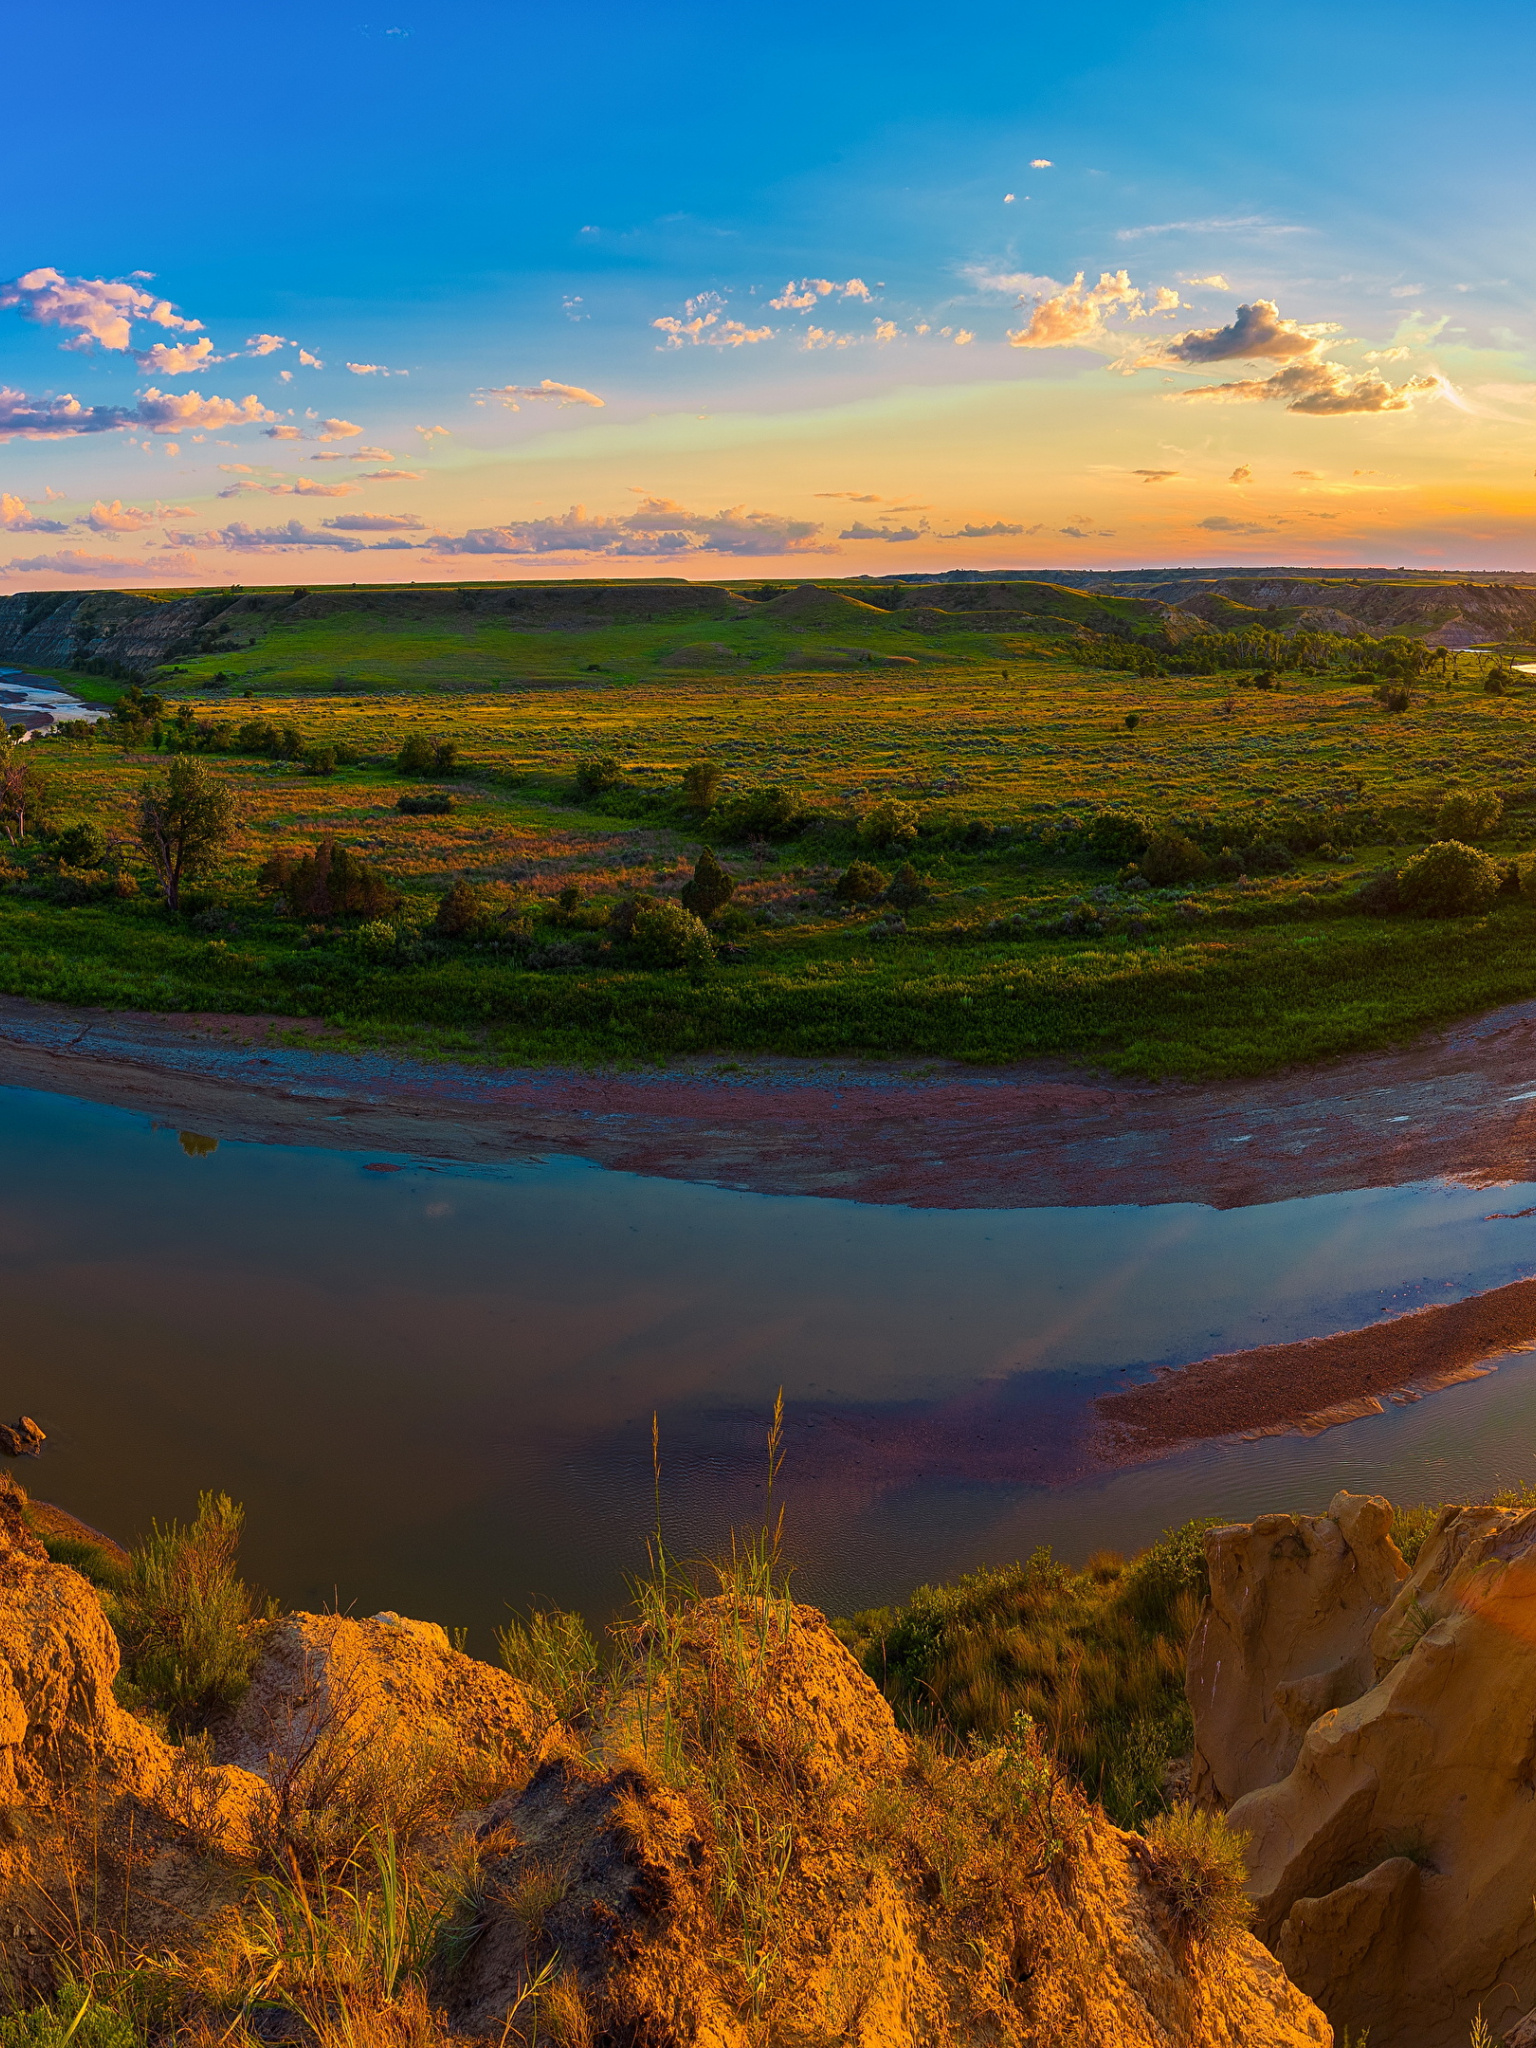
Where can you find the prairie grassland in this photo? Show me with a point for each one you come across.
(1025, 944)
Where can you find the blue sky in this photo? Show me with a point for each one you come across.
(865, 228)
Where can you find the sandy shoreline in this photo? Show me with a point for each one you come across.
(1459, 1104)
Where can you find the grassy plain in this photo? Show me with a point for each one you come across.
(1005, 748)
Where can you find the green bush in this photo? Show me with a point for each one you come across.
(330, 882)
(596, 774)
(1170, 857)
(415, 756)
(185, 1619)
(319, 760)
(766, 813)
(1117, 837)
(1469, 814)
(909, 888)
(1197, 1860)
(458, 912)
(710, 890)
(72, 2020)
(701, 781)
(80, 845)
(666, 935)
(860, 883)
(435, 804)
(889, 824)
(1449, 880)
(553, 1654)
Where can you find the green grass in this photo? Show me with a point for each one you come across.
(1227, 977)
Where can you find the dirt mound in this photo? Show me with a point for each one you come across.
(749, 1848)
(1390, 1860)
(809, 605)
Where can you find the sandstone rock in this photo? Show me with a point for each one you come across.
(1391, 1866)
(22, 1438)
(1285, 1635)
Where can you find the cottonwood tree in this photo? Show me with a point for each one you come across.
(184, 824)
(23, 790)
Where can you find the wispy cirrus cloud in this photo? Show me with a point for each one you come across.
(375, 370)
(389, 476)
(515, 396)
(289, 487)
(99, 310)
(1232, 224)
(73, 562)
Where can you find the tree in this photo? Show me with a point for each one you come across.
(701, 780)
(710, 889)
(184, 824)
(330, 882)
(23, 790)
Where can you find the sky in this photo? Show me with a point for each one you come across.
(324, 293)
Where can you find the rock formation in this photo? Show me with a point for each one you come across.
(734, 1842)
(1392, 1842)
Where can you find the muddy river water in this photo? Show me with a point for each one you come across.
(432, 1384)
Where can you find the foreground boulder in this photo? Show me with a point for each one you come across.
(1392, 1851)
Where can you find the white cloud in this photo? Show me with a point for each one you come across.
(1041, 163)
(99, 309)
(376, 522)
(1246, 223)
(1012, 284)
(512, 395)
(1077, 316)
(177, 358)
(799, 298)
(375, 370)
(161, 412)
(1215, 282)
(657, 527)
(709, 330)
(310, 362)
(1405, 291)
(71, 562)
(266, 344)
(15, 518)
(860, 530)
(118, 518)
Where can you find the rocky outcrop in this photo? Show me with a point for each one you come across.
(1391, 1853)
(1285, 1635)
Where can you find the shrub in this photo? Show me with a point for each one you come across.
(710, 890)
(330, 882)
(319, 760)
(1393, 697)
(1197, 1860)
(185, 1618)
(553, 1654)
(1117, 837)
(909, 888)
(80, 845)
(75, 2019)
(1378, 895)
(766, 813)
(1270, 857)
(701, 780)
(433, 804)
(596, 774)
(1525, 876)
(378, 939)
(1469, 814)
(445, 757)
(415, 756)
(889, 824)
(1449, 880)
(1497, 681)
(1170, 857)
(667, 935)
(860, 883)
(458, 912)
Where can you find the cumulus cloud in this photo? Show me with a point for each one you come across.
(861, 530)
(361, 455)
(429, 434)
(1256, 334)
(963, 337)
(1215, 282)
(656, 527)
(1041, 163)
(310, 361)
(709, 330)
(995, 531)
(243, 538)
(1077, 316)
(1322, 388)
(15, 518)
(160, 412)
(176, 358)
(72, 562)
(284, 431)
(117, 518)
(338, 430)
(99, 309)
(512, 395)
(799, 298)
(266, 344)
(290, 487)
(376, 522)
(389, 476)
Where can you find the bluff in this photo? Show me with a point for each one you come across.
(722, 1838)
(1372, 1732)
